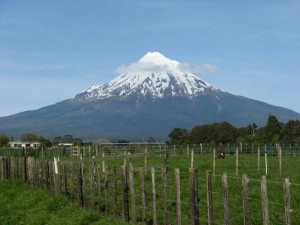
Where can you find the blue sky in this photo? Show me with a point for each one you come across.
(52, 50)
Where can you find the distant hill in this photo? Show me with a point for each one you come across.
(154, 96)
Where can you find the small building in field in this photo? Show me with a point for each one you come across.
(23, 144)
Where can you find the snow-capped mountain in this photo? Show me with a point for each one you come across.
(149, 98)
(153, 76)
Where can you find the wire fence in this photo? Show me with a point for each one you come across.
(148, 188)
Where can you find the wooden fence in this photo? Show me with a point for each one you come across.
(150, 194)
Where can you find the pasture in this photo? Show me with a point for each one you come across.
(133, 183)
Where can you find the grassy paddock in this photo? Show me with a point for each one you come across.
(247, 165)
(22, 204)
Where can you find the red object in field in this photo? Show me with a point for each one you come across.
(221, 154)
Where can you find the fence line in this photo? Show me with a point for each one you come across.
(130, 193)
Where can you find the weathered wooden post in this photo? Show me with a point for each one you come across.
(266, 164)
(132, 192)
(258, 159)
(154, 209)
(237, 162)
(265, 202)
(192, 158)
(280, 162)
(194, 203)
(125, 194)
(115, 191)
(214, 161)
(164, 195)
(92, 203)
(225, 198)
(143, 195)
(80, 185)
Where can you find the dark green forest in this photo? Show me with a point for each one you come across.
(224, 132)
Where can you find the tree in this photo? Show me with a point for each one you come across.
(272, 131)
(44, 143)
(151, 140)
(179, 136)
(218, 132)
(4, 140)
(29, 137)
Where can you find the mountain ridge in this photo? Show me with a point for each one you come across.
(149, 98)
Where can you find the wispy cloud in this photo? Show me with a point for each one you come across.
(140, 67)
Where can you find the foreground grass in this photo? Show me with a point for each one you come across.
(21, 204)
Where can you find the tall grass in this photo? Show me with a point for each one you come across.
(22, 204)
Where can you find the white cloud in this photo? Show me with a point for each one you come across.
(140, 67)
(206, 68)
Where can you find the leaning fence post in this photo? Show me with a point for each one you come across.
(287, 201)
(225, 198)
(194, 203)
(209, 198)
(265, 202)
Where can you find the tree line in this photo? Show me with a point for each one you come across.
(224, 132)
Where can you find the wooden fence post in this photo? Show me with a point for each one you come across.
(245, 182)
(214, 161)
(125, 194)
(80, 186)
(287, 201)
(225, 198)
(280, 162)
(258, 159)
(115, 191)
(1, 168)
(106, 191)
(266, 164)
(92, 204)
(237, 162)
(65, 179)
(210, 216)
(47, 179)
(164, 195)
(143, 195)
(25, 169)
(178, 200)
(99, 189)
(265, 202)
(131, 179)
(153, 196)
(56, 177)
(194, 203)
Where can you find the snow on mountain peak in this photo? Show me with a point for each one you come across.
(157, 58)
(153, 75)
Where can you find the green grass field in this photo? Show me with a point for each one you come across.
(22, 204)
(59, 208)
